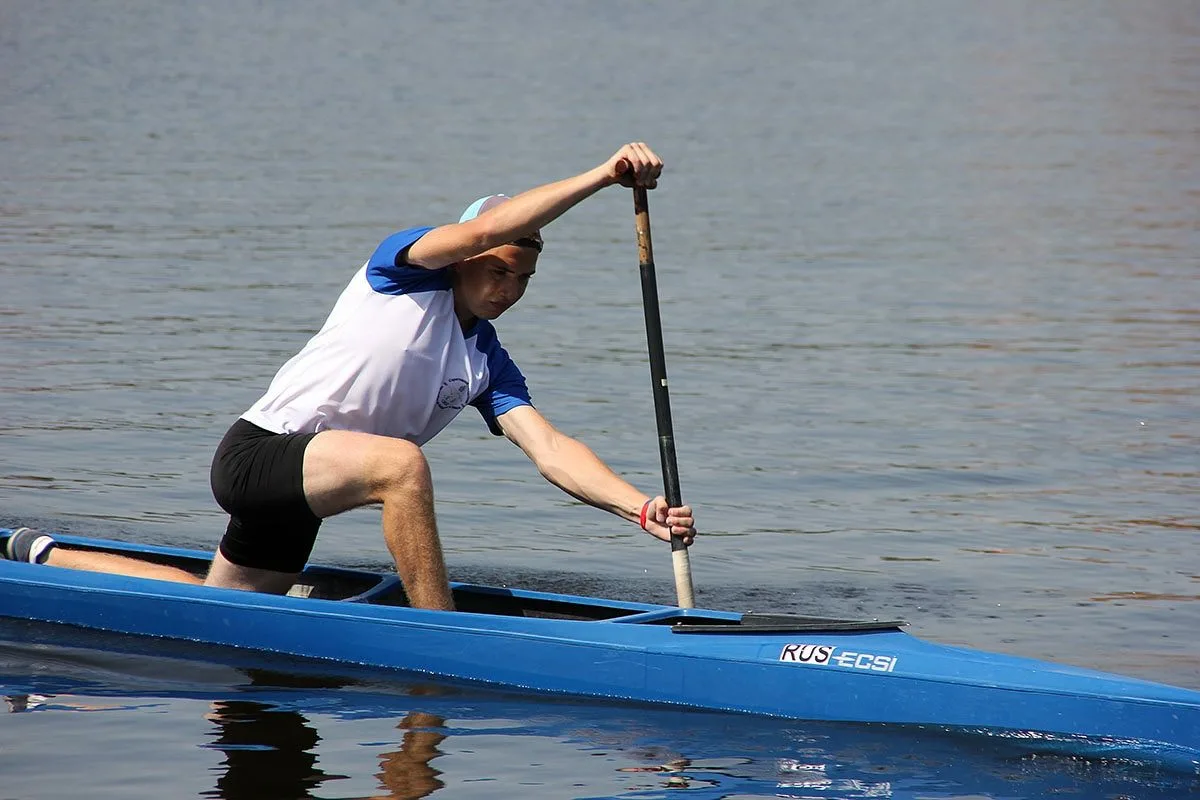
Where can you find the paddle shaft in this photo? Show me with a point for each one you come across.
(662, 398)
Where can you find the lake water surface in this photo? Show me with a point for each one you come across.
(931, 299)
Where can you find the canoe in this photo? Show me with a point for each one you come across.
(861, 671)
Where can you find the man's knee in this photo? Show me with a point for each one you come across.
(401, 467)
(224, 574)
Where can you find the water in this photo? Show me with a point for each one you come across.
(930, 291)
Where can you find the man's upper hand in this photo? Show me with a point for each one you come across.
(635, 165)
(662, 521)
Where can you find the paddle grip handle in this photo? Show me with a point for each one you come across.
(662, 397)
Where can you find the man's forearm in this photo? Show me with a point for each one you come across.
(579, 472)
(538, 207)
(507, 222)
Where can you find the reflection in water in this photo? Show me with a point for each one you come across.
(271, 752)
(20, 703)
(406, 773)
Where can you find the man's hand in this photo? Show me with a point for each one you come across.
(663, 521)
(634, 165)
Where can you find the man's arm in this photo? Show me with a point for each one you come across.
(633, 165)
(571, 466)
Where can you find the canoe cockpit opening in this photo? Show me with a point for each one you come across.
(387, 590)
(372, 588)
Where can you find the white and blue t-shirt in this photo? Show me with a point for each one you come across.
(392, 359)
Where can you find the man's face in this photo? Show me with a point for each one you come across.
(489, 283)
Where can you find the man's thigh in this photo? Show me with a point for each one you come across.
(346, 469)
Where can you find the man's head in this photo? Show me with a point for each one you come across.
(488, 284)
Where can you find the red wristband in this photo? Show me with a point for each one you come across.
(645, 509)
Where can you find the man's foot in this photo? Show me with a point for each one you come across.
(28, 545)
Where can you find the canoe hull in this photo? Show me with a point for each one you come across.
(627, 651)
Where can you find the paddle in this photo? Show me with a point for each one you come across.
(662, 399)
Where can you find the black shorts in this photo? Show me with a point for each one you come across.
(258, 477)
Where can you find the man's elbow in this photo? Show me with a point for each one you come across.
(552, 457)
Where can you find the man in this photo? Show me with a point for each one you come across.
(407, 346)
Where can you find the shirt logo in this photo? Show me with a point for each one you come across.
(453, 394)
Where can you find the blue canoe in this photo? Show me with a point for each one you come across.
(784, 666)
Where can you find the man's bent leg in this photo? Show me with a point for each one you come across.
(344, 470)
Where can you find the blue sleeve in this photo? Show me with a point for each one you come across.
(506, 388)
(389, 273)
